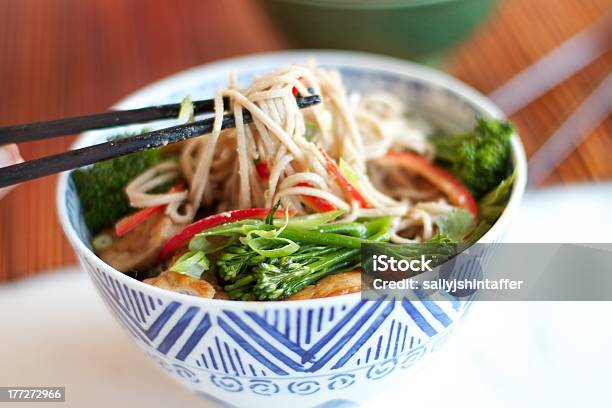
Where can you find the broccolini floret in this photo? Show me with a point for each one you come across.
(478, 158)
(251, 276)
(101, 187)
(278, 278)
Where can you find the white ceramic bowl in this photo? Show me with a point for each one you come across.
(326, 352)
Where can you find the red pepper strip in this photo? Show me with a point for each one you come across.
(128, 223)
(263, 171)
(295, 90)
(346, 185)
(457, 193)
(315, 203)
(189, 231)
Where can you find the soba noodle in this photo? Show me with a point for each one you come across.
(221, 167)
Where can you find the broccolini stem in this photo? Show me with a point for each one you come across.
(328, 239)
(354, 229)
(245, 280)
(345, 254)
(336, 240)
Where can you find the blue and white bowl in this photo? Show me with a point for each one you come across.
(335, 351)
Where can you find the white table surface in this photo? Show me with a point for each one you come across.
(55, 330)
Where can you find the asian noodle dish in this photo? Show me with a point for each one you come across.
(279, 208)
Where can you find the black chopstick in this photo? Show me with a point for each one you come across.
(88, 155)
(66, 126)
(42, 130)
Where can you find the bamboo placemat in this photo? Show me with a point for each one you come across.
(521, 32)
(68, 57)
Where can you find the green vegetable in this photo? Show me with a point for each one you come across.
(279, 278)
(458, 226)
(101, 187)
(478, 158)
(266, 242)
(348, 172)
(101, 242)
(201, 243)
(318, 238)
(242, 227)
(186, 112)
(491, 206)
(334, 239)
(270, 217)
(311, 132)
(354, 229)
(267, 260)
(191, 264)
(251, 275)
(493, 203)
(311, 221)
(440, 239)
(235, 261)
(454, 227)
(273, 247)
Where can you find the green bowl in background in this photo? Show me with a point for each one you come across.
(415, 29)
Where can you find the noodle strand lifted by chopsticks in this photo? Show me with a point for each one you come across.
(222, 168)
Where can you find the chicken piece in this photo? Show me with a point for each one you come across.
(177, 282)
(138, 249)
(338, 284)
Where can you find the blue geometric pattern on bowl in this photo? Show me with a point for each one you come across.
(240, 351)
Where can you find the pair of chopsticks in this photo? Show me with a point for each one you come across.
(88, 155)
(545, 74)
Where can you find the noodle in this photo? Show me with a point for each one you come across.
(222, 168)
(156, 176)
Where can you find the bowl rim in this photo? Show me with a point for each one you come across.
(358, 60)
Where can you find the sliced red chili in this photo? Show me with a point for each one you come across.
(294, 90)
(263, 170)
(316, 204)
(128, 223)
(346, 185)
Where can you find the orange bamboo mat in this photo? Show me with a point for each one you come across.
(521, 32)
(68, 57)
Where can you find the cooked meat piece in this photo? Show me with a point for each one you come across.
(177, 282)
(335, 285)
(138, 249)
